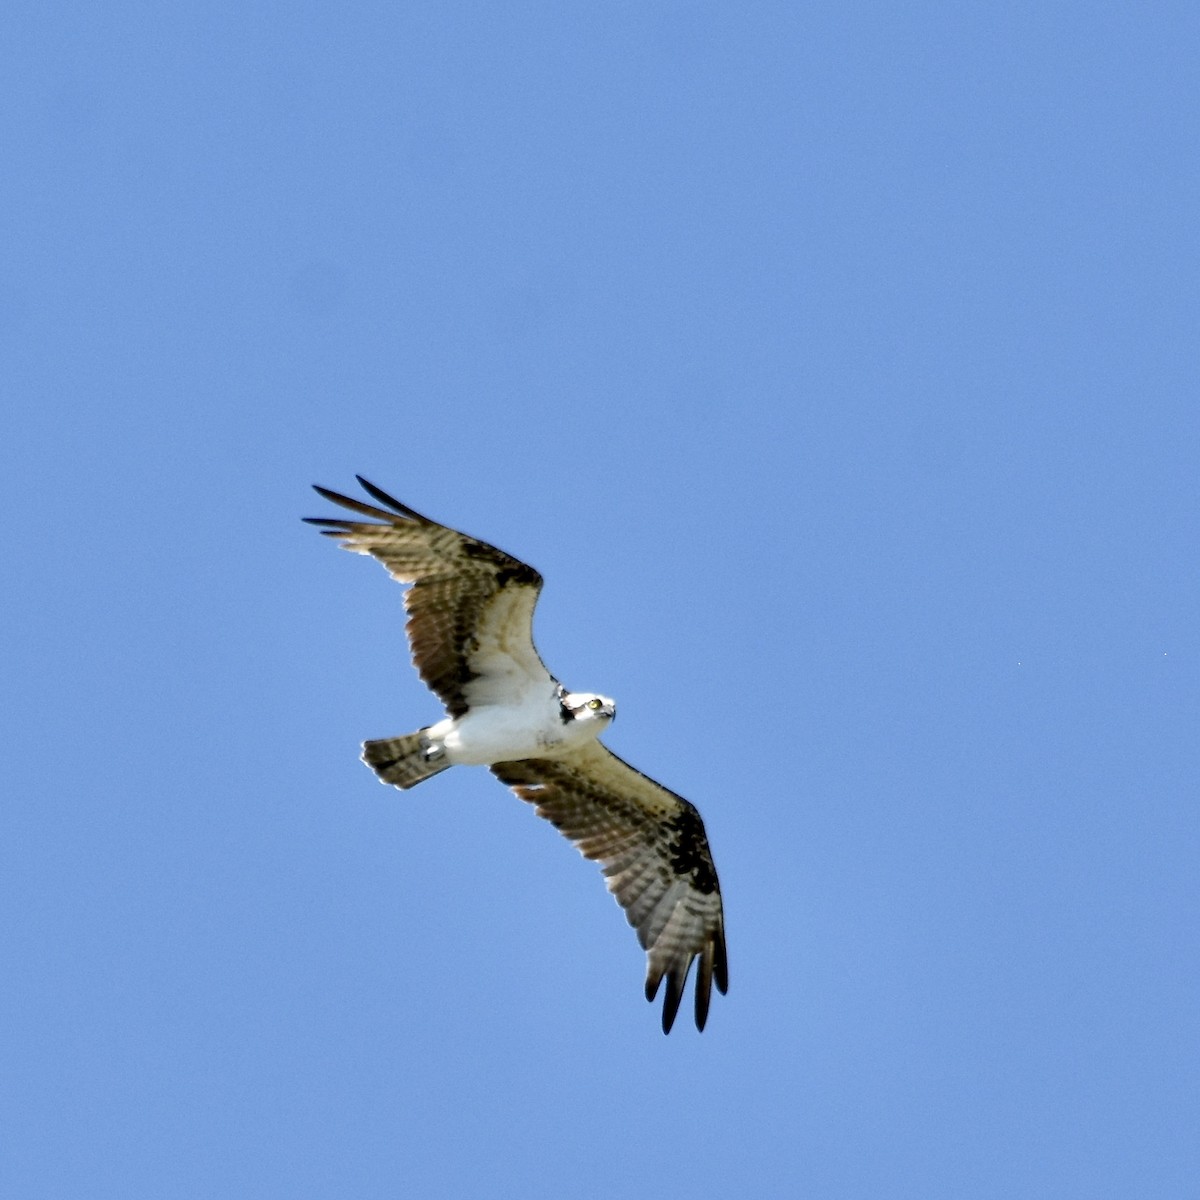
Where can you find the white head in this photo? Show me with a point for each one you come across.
(587, 710)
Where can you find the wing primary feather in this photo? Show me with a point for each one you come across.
(704, 985)
(675, 981)
(336, 522)
(357, 506)
(391, 501)
(653, 980)
(721, 963)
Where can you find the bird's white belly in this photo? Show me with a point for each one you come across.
(493, 733)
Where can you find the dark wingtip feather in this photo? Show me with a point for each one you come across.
(675, 982)
(357, 506)
(379, 494)
(721, 964)
(704, 986)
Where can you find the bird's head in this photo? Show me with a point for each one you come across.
(588, 707)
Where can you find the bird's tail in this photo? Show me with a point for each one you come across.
(405, 761)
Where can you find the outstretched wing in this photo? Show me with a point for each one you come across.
(654, 851)
(470, 609)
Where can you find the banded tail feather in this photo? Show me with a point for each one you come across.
(405, 761)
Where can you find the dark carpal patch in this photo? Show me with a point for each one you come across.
(689, 849)
(508, 569)
(519, 573)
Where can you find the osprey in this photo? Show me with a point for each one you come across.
(470, 625)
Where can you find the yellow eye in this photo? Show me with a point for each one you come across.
(594, 704)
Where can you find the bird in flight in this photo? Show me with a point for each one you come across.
(470, 626)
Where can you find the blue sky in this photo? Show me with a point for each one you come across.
(835, 363)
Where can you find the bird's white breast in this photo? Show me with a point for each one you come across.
(532, 727)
